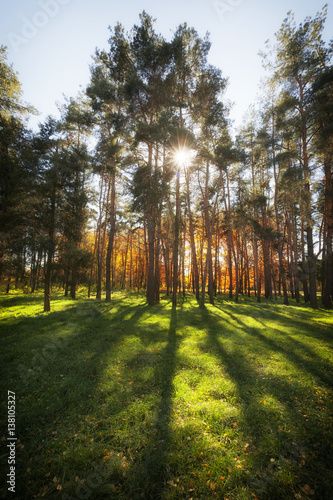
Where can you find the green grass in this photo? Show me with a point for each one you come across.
(126, 401)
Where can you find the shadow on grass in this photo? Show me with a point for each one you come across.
(281, 431)
(102, 377)
(148, 476)
(310, 361)
(54, 363)
(19, 299)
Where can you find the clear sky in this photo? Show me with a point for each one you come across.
(50, 42)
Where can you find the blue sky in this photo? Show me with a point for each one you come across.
(50, 42)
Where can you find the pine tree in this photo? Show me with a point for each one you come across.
(299, 54)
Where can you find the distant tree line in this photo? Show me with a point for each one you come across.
(139, 184)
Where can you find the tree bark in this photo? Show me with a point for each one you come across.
(50, 254)
(109, 251)
(192, 239)
(328, 253)
(176, 245)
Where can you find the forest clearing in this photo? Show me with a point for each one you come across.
(128, 401)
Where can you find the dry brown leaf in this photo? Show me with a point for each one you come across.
(307, 490)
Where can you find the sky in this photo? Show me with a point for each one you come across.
(51, 42)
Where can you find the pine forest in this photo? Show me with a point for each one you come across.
(141, 185)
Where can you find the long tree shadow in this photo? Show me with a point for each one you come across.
(276, 427)
(319, 368)
(296, 319)
(55, 364)
(63, 388)
(150, 472)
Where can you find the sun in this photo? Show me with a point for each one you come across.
(182, 156)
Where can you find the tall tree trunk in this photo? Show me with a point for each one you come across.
(217, 257)
(209, 223)
(109, 252)
(73, 283)
(230, 270)
(304, 273)
(257, 268)
(312, 261)
(47, 285)
(131, 260)
(157, 258)
(123, 279)
(151, 259)
(227, 205)
(266, 259)
(328, 218)
(210, 267)
(151, 230)
(192, 239)
(295, 252)
(176, 244)
(236, 270)
(50, 254)
(101, 238)
(207, 230)
(183, 257)
(282, 273)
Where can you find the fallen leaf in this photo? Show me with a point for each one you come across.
(307, 490)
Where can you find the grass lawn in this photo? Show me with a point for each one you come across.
(126, 401)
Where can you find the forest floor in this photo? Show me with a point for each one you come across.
(126, 401)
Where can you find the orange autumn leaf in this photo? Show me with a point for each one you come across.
(307, 490)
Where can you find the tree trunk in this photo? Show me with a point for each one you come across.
(328, 218)
(157, 259)
(50, 254)
(312, 263)
(210, 267)
(176, 244)
(229, 230)
(257, 269)
(192, 240)
(209, 224)
(100, 240)
(73, 284)
(109, 251)
(151, 259)
(304, 273)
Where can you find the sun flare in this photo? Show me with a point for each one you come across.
(183, 156)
